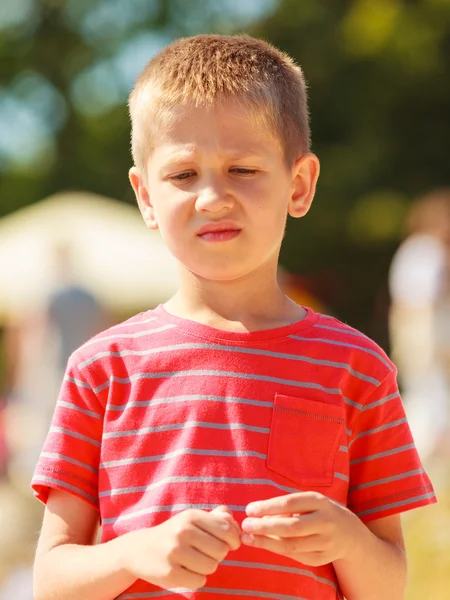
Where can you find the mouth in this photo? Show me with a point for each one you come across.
(218, 232)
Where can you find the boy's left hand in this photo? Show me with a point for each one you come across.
(305, 526)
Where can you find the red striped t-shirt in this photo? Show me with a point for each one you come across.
(160, 414)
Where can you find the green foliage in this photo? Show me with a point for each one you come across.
(379, 108)
(379, 98)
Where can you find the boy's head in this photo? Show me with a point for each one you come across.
(220, 142)
(207, 70)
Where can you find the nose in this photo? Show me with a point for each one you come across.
(213, 198)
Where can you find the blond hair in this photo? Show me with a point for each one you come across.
(206, 70)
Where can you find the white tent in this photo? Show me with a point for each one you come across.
(112, 254)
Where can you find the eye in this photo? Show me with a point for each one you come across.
(182, 176)
(243, 171)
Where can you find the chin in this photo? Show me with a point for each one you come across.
(220, 274)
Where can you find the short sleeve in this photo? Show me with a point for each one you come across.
(70, 457)
(386, 473)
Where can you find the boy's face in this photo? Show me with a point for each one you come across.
(219, 190)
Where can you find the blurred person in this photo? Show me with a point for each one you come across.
(38, 346)
(419, 282)
(231, 441)
(73, 313)
(4, 451)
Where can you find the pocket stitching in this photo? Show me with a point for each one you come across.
(310, 415)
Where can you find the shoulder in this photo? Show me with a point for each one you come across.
(123, 339)
(340, 339)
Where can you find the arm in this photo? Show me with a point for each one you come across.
(67, 565)
(180, 552)
(376, 566)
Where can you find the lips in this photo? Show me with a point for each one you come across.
(222, 227)
(219, 232)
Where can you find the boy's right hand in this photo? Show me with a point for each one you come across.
(183, 550)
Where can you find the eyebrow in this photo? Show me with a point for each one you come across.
(191, 156)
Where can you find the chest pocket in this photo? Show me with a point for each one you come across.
(304, 440)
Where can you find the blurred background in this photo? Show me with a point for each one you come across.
(374, 251)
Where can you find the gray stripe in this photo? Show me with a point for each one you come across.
(181, 452)
(377, 429)
(343, 449)
(370, 511)
(188, 398)
(159, 594)
(233, 349)
(122, 336)
(280, 568)
(250, 593)
(181, 479)
(43, 479)
(89, 413)
(363, 407)
(168, 508)
(187, 451)
(382, 454)
(75, 434)
(341, 330)
(68, 459)
(186, 425)
(77, 382)
(353, 403)
(341, 476)
(210, 590)
(361, 486)
(216, 373)
(130, 323)
(336, 343)
(382, 401)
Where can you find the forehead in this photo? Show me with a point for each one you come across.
(229, 128)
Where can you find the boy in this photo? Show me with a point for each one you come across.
(229, 442)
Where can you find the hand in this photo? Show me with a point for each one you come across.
(181, 551)
(305, 526)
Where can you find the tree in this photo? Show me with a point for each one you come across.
(379, 102)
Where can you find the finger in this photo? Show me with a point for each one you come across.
(209, 545)
(219, 527)
(187, 579)
(301, 502)
(284, 527)
(196, 562)
(226, 512)
(285, 546)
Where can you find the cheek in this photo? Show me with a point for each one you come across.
(271, 209)
(173, 219)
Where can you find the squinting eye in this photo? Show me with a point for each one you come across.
(243, 171)
(183, 176)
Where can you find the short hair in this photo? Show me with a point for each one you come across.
(205, 70)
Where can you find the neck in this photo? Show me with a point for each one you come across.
(251, 303)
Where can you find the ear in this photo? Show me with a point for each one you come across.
(305, 174)
(143, 198)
